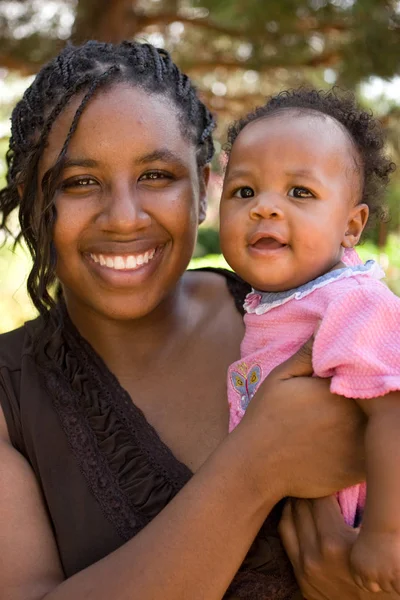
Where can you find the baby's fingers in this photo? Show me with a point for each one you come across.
(298, 365)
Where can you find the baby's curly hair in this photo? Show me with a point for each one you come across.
(364, 130)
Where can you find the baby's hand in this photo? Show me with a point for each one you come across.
(375, 561)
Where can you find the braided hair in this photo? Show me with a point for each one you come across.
(363, 129)
(82, 70)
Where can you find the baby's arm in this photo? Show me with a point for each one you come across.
(375, 557)
(358, 345)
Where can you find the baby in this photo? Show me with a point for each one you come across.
(305, 172)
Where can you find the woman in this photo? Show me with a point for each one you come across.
(115, 396)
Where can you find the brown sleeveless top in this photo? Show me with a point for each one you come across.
(103, 470)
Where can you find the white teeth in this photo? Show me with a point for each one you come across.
(119, 262)
(123, 262)
(130, 262)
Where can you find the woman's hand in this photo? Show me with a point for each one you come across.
(318, 543)
(316, 437)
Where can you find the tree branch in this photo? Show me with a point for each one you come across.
(325, 59)
(23, 67)
(166, 18)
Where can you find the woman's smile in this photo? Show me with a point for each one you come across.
(122, 262)
(125, 270)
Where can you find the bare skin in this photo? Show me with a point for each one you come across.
(375, 556)
(319, 543)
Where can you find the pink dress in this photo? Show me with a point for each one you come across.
(357, 343)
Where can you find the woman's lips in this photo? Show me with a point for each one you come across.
(124, 269)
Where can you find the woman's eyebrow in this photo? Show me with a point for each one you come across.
(163, 154)
(80, 162)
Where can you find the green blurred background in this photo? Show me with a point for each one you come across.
(237, 53)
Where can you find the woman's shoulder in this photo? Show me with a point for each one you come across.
(11, 347)
(15, 344)
(224, 280)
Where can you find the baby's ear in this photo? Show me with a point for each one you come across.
(358, 218)
(204, 176)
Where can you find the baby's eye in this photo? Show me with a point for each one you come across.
(300, 192)
(244, 192)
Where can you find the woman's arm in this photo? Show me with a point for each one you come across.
(193, 548)
(318, 543)
(180, 554)
(29, 563)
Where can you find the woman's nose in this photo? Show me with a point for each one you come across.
(124, 212)
(267, 206)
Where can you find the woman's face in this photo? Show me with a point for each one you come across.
(127, 202)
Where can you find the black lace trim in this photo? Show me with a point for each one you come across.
(93, 408)
(141, 432)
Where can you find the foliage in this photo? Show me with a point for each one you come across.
(15, 306)
(237, 51)
(207, 242)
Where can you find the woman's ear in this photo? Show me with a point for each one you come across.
(358, 218)
(204, 177)
(20, 189)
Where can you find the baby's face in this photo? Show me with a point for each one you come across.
(290, 200)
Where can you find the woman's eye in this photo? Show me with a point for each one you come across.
(81, 183)
(300, 192)
(154, 176)
(244, 192)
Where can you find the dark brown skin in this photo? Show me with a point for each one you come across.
(169, 338)
(319, 543)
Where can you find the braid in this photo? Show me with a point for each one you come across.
(94, 85)
(82, 69)
(158, 64)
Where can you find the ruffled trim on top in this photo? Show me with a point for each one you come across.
(259, 303)
(129, 470)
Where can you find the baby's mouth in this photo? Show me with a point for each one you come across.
(268, 243)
